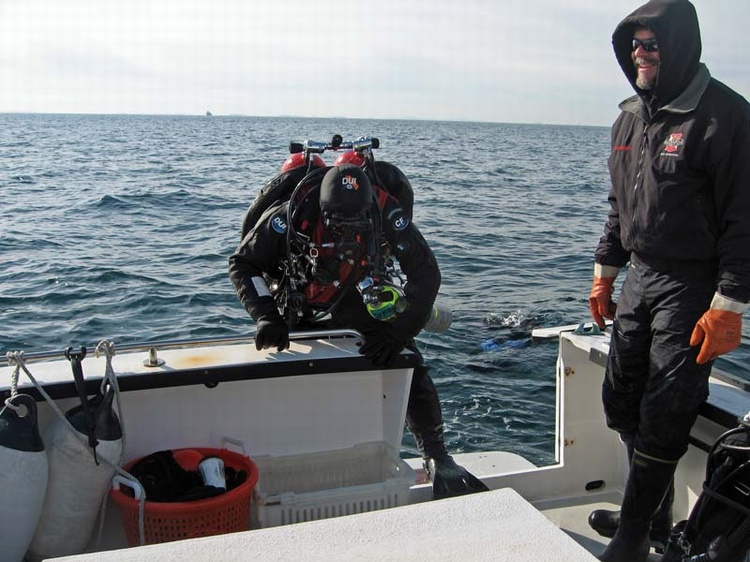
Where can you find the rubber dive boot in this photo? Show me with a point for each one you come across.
(605, 522)
(423, 415)
(450, 479)
(425, 420)
(648, 483)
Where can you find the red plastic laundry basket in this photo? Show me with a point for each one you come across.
(173, 521)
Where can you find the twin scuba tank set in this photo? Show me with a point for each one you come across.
(382, 296)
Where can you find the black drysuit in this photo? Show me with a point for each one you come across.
(680, 214)
(263, 251)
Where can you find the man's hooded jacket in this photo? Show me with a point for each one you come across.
(680, 159)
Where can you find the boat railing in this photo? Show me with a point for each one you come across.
(152, 347)
(730, 379)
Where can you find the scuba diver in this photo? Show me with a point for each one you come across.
(323, 259)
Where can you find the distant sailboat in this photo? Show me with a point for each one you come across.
(208, 114)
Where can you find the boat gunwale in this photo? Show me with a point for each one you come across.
(41, 356)
(164, 376)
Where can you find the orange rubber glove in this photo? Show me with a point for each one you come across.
(601, 304)
(719, 329)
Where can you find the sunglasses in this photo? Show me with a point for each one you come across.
(649, 45)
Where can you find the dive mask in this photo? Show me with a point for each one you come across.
(347, 232)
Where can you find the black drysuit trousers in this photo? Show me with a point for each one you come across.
(653, 387)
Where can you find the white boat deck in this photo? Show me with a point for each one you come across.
(571, 516)
(497, 526)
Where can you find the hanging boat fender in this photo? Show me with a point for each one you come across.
(81, 467)
(23, 476)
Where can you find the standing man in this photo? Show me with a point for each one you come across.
(680, 197)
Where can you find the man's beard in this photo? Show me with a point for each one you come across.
(644, 83)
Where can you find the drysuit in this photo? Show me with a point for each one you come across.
(680, 202)
(330, 286)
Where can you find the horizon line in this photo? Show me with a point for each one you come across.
(291, 116)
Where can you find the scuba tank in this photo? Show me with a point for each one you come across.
(23, 476)
(78, 476)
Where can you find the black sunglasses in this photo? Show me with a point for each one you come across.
(649, 45)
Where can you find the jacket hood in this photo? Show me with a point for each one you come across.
(675, 25)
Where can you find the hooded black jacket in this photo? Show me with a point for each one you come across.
(680, 159)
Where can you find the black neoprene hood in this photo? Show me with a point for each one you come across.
(345, 192)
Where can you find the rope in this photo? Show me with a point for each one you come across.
(107, 347)
(11, 357)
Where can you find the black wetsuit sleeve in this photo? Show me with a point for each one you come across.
(260, 251)
(420, 266)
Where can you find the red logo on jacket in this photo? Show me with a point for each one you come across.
(674, 142)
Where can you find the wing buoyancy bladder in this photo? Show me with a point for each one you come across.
(79, 477)
(23, 476)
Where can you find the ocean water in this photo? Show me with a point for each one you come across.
(120, 227)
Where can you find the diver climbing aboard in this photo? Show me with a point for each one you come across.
(335, 247)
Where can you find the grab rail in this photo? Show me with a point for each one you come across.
(40, 356)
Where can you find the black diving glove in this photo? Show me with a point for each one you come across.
(271, 331)
(449, 479)
(382, 347)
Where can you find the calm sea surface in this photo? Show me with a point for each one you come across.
(120, 227)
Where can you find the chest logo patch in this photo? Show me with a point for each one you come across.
(673, 143)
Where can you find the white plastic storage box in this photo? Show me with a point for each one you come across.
(308, 487)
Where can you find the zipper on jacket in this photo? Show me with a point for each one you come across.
(639, 173)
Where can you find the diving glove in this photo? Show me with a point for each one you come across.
(383, 346)
(271, 331)
(449, 479)
(601, 304)
(719, 330)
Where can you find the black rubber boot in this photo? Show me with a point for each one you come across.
(605, 522)
(425, 421)
(648, 483)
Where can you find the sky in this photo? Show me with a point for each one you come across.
(509, 61)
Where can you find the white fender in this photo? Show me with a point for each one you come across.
(23, 478)
(75, 491)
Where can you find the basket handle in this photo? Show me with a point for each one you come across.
(138, 490)
(236, 442)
